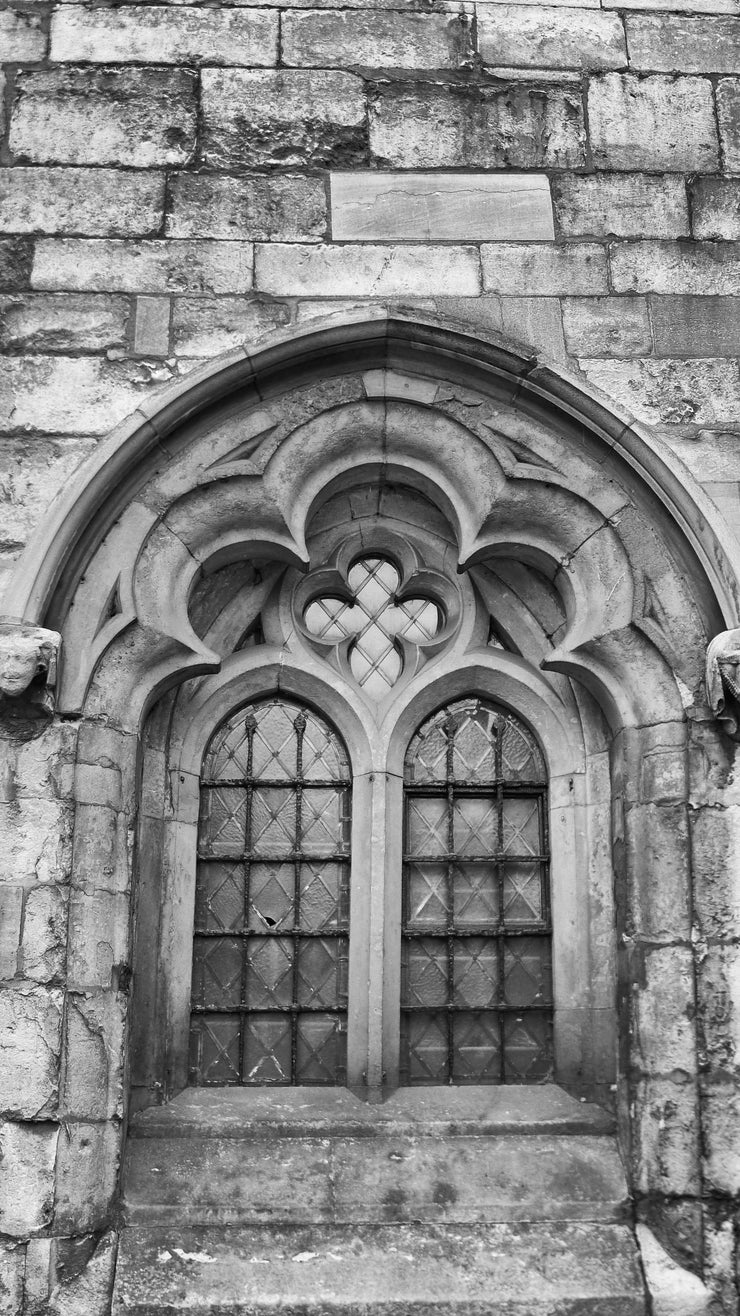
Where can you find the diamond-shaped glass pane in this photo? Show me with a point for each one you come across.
(273, 820)
(475, 825)
(520, 757)
(521, 826)
(426, 762)
(271, 896)
(426, 895)
(219, 897)
(476, 1047)
(321, 977)
(426, 825)
(527, 972)
(425, 972)
(321, 1046)
(217, 972)
(269, 972)
(324, 821)
(474, 746)
(267, 1049)
(223, 820)
(475, 977)
(214, 1048)
(475, 895)
(424, 1047)
(324, 897)
(522, 892)
(528, 1048)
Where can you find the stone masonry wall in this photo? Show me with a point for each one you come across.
(176, 180)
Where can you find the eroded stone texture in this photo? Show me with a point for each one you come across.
(330, 39)
(145, 34)
(138, 117)
(283, 207)
(652, 123)
(372, 271)
(27, 1182)
(289, 118)
(30, 1027)
(716, 208)
(12, 1276)
(22, 37)
(728, 113)
(93, 1070)
(148, 267)
(66, 395)
(431, 126)
(204, 327)
(86, 1176)
(704, 392)
(684, 44)
(510, 267)
(118, 202)
(532, 37)
(59, 322)
(44, 941)
(607, 326)
(634, 205)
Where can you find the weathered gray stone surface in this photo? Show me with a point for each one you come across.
(283, 207)
(511, 35)
(653, 123)
(372, 205)
(607, 326)
(623, 205)
(90, 265)
(330, 39)
(102, 202)
(143, 34)
(375, 271)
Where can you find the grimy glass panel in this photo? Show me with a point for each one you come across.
(269, 994)
(476, 980)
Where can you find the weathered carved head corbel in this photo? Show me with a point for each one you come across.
(723, 680)
(28, 673)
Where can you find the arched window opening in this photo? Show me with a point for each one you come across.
(271, 937)
(476, 982)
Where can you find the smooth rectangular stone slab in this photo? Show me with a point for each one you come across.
(459, 207)
(508, 1270)
(290, 1180)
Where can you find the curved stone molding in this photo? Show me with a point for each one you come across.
(722, 679)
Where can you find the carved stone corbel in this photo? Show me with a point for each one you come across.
(723, 680)
(29, 656)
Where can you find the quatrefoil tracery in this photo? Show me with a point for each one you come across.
(376, 618)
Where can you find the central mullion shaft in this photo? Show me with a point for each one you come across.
(449, 882)
(250, 725)
(300, 728)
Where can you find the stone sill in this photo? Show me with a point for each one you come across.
(337, 1112)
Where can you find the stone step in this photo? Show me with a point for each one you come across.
(380, 1270)
(437, 1177)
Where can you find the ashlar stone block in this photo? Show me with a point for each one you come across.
(30, 1040)
(368, 206)
(28, 1154)
(168, 266)
(728, 114)
(279, 207)
(128, 116)
(720, 1108)
(204, 326)
(696, 326)
(428, 126)
(87, 1165)
(59, 322)
(622, 205)
(394, 40)
(22, 37)
(607, 326)
(718, 1005)
(65, 395)
(511, 36)
(683, 43)
(653, 123)
(706, 269)
(290, 118)
(44, 933)
(666, 1137)
(516, 268)
(120, 202)
(37, 841)
(370, 271)
(16, 258)
(715, 206)
(715, 838)
(12, 1276)
(93, 1053)
(152, 326)
(11, 918)
(670, 392)
(148, 34)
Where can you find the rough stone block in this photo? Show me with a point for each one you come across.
(696, 326)
(101, 849)
(86, 1177)
(720, 1108)
(663, 1009)
(12, 1278)
(653, 123)
(432, 206)
(148, 34)
(290, 118)
(98, 783)
(514, 36)
(65, 395)
(16, 258)
(97, 265)
(369, 271)
(60, 322)
(623, 205)
(718, 1005)
(728, 115)
(460, 126)
(715, 208)
(11, 916)
(29, 479)
(95, 201)
(37, 838)
(670, 392)
(512, 267)
(607, 326)
(203, 327)
(674, 43)
(715, 838)
(659, 897)
(30, 1028)
(22, 37)
(282, 208)
(348, 39)
(44, 941)
(665, 1128)
(28, 1153)
(138, 117)
(98, 950)
(45, 766)
(93, 1050)
(152, 326)
(87, 1288)
(707, 269)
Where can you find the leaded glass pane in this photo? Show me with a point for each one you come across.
(271, 944)
(475, 872)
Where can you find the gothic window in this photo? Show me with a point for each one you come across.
(269, 993)
(476, 994)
